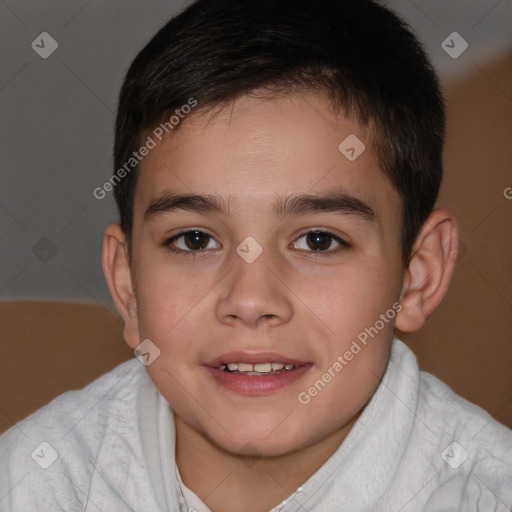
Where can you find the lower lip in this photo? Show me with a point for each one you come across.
(254, 384)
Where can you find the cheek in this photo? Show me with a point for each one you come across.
(167, 294)
(174, 313)
(350, 299)
(354, 354)
(356, 347)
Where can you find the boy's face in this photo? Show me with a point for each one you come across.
(305, 298)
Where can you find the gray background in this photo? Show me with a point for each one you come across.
(58, 118)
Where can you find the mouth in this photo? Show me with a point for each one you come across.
(256, 373)
(257, 369)
(254, 358)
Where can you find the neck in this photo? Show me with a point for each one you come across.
(228, 482)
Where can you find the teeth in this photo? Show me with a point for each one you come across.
(256, 368)
(262, 367)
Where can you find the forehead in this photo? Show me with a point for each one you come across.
(255, 149)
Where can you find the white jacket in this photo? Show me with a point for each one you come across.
(109, 447)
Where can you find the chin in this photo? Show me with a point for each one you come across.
(260, 444)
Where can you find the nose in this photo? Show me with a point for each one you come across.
(254, 293)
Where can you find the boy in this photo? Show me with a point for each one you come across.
(277, 165)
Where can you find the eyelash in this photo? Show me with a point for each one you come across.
(190, 253)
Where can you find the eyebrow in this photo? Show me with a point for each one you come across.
(334, 202)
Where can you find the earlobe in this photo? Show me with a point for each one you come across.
(430, 269)
(117, 271)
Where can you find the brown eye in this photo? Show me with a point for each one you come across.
(320, 241)
(196, 240)
(189, 242)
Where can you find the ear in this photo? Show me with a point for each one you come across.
(116, 267)
(430, 269)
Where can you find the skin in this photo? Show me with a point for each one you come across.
(304, 303)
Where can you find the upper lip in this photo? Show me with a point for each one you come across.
(253, 358)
